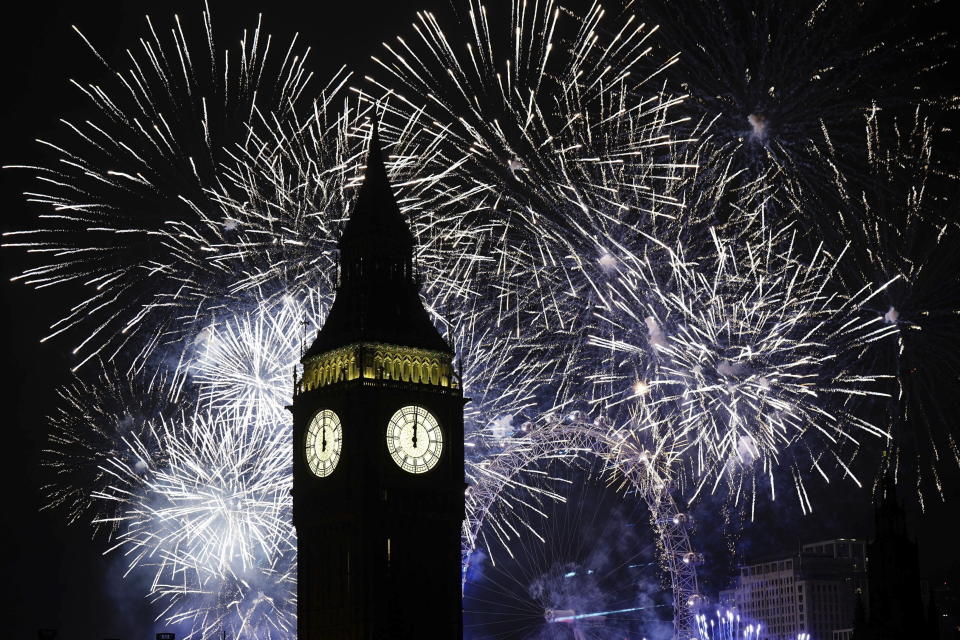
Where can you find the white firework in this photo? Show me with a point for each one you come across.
(556, 136)
(94, 425)
(131, 214)
(901, 215)
(750, 350)
(246, 363)
(209, 522)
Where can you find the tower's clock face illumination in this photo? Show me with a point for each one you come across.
(414, 439)
(324, 440)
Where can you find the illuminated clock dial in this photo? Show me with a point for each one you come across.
(324, 440)
(414, 439)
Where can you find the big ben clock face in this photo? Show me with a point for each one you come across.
(324, 440)
(414, 439)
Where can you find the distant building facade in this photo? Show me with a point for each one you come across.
(846, 549)
(812, 592)
(849, 589)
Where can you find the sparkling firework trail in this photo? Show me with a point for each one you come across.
(749, 351)
(727, 625)
(528, 127)
(210, 523)
(901, 214)
(129, 217)
(781, 78)
(96, 425)
(558, 135)
(558, 616)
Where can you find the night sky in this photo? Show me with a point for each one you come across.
(55, 577)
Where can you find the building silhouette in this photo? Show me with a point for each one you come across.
(846, 549)
(378, 482)
(894, 608)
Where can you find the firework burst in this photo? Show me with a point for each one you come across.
(727, 625)
(209, 522)
(98, 424)
(750, 351)
(901, 213)
(781, 78)
(128, 215)
(557, 136)
(246, 363)
(289, 191)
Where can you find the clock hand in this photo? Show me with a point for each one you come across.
(323, 444)
(414, 429)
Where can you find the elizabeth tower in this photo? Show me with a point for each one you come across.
(378, 484)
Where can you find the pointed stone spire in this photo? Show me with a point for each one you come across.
(376, 217)
(378, 297)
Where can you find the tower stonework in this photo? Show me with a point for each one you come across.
(378, 482)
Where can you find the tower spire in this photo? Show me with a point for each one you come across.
(376, 218)
(378, 297)
(378, 496)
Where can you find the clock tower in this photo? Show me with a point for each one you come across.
(378, 482)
